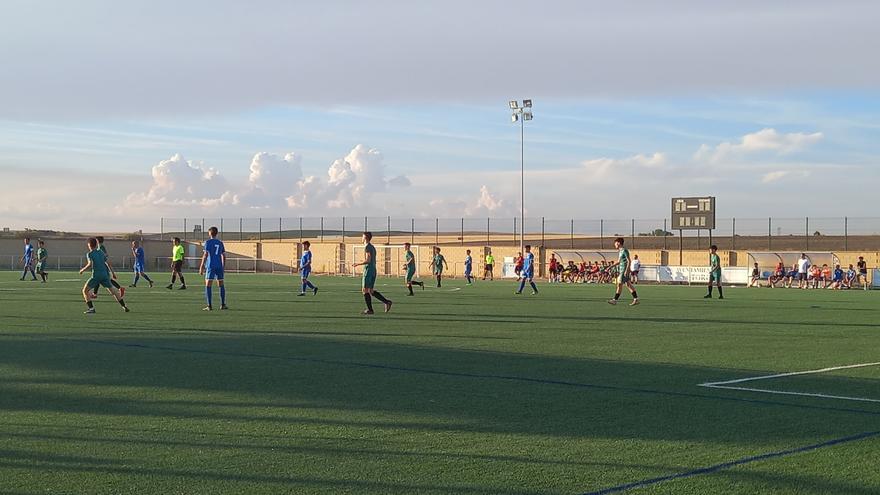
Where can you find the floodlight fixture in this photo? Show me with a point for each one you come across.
(527, 115)
(527, 103)
(514, 118)
(514, 104)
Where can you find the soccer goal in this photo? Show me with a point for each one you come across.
(390, 260)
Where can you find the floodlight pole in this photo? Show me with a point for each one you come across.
(522, 185)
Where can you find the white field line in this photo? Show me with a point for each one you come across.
(727, 385)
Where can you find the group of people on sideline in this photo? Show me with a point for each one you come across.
(805, 275)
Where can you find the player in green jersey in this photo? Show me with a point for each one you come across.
(113, 281)
(102, 275)
(368, 282)
(176, 264)
(623, 271)
(714, 272)
(437, 264)
(410, 267)
(42, 261)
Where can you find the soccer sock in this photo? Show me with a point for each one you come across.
(89, 304)
(635, 296)
(522, 285)
(719, 291)
(24, 272)
(410, 289)
(369, 301)
(209, 294)
(173, 278)
(310, 285)
(304, 284)
(380, 297)
(182, 282)
(710, 290)
(616, 296)
(137, 276)
(438, 280)
(122, 302)
(115, 283)
(534, 287)
(147, 278)
(223, 295)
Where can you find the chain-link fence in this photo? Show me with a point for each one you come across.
(840, 233)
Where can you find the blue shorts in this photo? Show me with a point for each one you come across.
(139, 267)
(306, 272)
(214, 274)
(528, 274)
(467, 270)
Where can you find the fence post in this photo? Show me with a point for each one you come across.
(161, 229)
(462, 231)
(260, 229)
(733, 236)
(680, 247)
(436, 231)
(769, 233)
(366, 227)
(514, 231)
(571, 234)
(300, 230)
(184, 230)
(664, 234)
(633, 233)
(846, 233)
(542, 231)
(343, 229)
(488, 235)
(412, 230)
(221, 225)
(389, 229)
(279, 229)
(322, 230)
(601, 234)
(807, 233)
(240, 229)
(202, 233)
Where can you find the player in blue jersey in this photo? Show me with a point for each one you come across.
(305, 269)
(528, 272)
(27, 260)
(139, 264)
(213, 261)
(468, 267)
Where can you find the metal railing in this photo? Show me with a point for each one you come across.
(839, 233)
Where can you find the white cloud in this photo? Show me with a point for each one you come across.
(605, 168)
(765, 140)
(487, 204)
(778, 175)
(274, 182)
(179, 182)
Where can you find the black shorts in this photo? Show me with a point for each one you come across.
(177, 265)
(802, 276)
(489, 268)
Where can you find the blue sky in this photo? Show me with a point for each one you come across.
(287, 110)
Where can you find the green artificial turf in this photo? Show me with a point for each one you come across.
(460, 390)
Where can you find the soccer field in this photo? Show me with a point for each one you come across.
(459, 390)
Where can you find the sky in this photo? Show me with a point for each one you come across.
(115, 114)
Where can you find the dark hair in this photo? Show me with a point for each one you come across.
(92, 242)
(406, 244)
(620, 240)
(100, 238)
(213, 231)
(528, 246)
(40, 242)
(713, 247)
(27, 239)
(177, 240)
(368, 235)
(307, 243)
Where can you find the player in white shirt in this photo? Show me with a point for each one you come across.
(803, 265)
(634, 268)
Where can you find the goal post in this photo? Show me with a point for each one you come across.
(390, 259)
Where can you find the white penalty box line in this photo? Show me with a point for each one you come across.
(733, 384)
